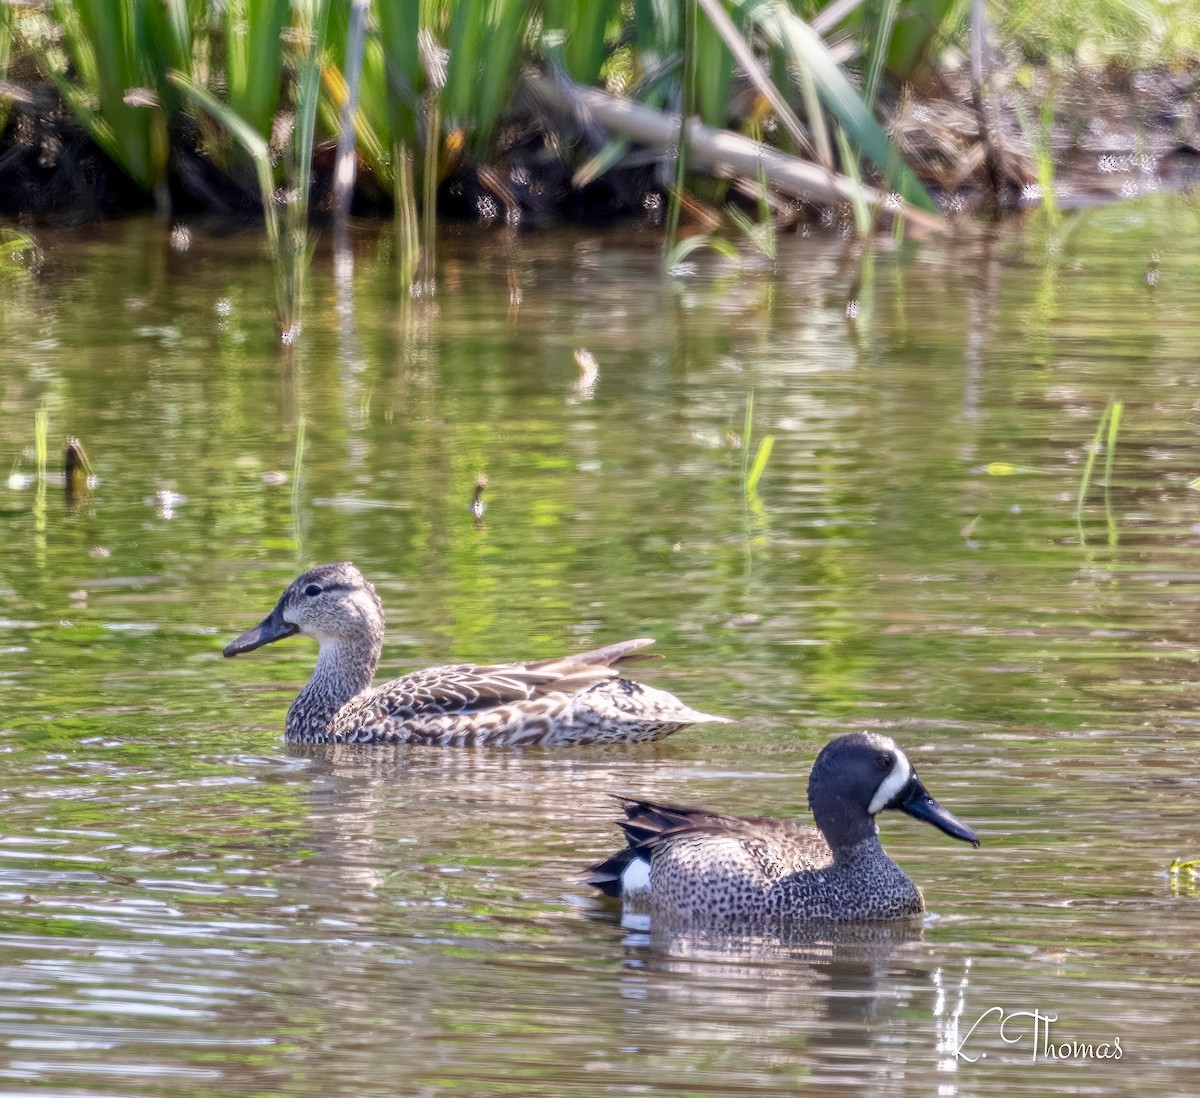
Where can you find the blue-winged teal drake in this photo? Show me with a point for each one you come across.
(697, 866)
(568, 700)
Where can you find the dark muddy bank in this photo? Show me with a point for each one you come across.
(1095, 137)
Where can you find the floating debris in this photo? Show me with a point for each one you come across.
(78, 478)
(274, 478)
(589, 374)
(100, 553)
(477, 504)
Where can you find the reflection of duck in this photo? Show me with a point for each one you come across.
(571, 699)
(697, 866)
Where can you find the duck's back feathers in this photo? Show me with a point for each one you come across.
(565, 700)
(753, 851)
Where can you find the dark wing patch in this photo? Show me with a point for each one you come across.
(647, 824)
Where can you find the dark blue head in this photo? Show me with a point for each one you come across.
(860, 775)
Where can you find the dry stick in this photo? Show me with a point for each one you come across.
(724, 26)
(978, 80)
(719, 151)
(345, 165)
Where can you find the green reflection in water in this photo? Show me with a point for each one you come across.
(157, 835)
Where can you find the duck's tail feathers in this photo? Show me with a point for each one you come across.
(609, 875)
(646, 822)
(621, 652)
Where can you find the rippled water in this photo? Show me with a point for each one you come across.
(186, 906)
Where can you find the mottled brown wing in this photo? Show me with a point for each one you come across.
(469, 688)
(761, 848)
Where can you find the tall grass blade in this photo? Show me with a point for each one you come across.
(165, 41)
(308, 92)
(6, 40)
(404, 195)
(761, 235)
(41, 436)
(486, 39)
(1089, 463)
(1116, 408)
(739, 49)
(885, 21)
(752, 471)
(803, 46)
(816, 119)
(252, 143)
(41, 440)
(1110, 453)
(106, 45)
(1107, 428)
(427, 279)
(254, 59)
(711, 70)
(398, 22)
(575, 33)
(864, 216)
(747, 432)
(759, 466)
(287, 240)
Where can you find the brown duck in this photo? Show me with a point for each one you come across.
(568, 700)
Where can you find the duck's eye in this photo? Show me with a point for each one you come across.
(312, 590)
(886, 762)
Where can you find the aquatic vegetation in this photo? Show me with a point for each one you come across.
(752, 471)
(106, 61)
(1104, 32)
(1184, 877)
(19, 253)
(436, 75)
(1105, 437)
(288, 238)
(506, 107)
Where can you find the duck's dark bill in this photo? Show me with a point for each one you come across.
(918, 802)
(271, 628)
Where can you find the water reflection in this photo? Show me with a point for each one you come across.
(183, 898)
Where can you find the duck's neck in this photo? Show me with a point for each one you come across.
(847, 827)
(344, 670)
(868, 848)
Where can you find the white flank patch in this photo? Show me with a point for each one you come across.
(636, 877)
(892, 784)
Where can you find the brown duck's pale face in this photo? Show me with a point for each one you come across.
(331, 603)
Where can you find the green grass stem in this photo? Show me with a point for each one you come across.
(1106, 434)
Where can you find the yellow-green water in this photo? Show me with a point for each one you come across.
(188, 908)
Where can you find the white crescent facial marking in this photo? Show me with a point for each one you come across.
(636, 877)
(892, 784)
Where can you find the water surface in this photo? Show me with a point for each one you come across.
(186, 906)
